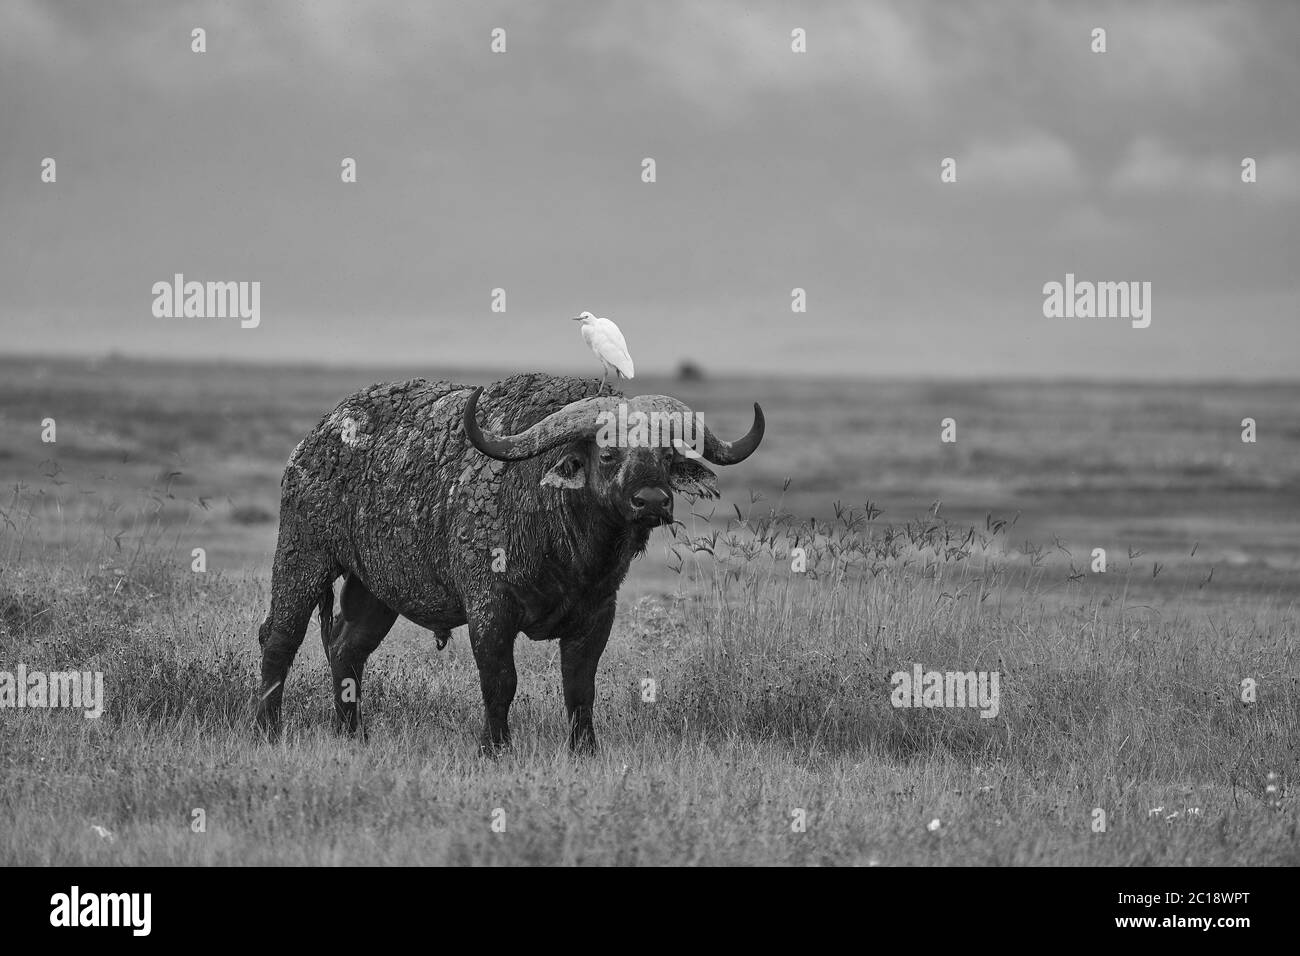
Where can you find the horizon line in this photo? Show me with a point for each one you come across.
(117, 357)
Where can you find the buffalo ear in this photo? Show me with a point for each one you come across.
(688, 477)
(569, 472)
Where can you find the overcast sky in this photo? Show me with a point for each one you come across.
(775, 170)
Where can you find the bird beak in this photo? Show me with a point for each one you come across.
(577, 318)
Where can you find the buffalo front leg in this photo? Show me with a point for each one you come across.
(356, 632)
(579, 655)
(493, 640)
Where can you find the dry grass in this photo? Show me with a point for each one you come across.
(772, 695)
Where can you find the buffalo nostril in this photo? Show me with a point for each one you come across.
(652, 498)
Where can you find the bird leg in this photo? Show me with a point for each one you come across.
(602, 380)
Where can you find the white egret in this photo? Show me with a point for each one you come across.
(603, 337)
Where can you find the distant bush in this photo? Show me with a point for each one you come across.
(688, 371)
(251, 514)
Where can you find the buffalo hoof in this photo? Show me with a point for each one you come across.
(266, 729)
(494, 750)
(351, 731)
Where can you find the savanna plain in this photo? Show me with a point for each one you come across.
(1148, 712)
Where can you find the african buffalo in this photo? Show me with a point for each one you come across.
(528, 527)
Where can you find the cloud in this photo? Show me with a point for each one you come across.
(1084, 222)
(1180, 50)
(725, 56)
(1154, 167)
(1030, 159)
(289, 41)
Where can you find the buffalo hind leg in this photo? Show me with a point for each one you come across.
(297, 587)
(493, 641)
(579, 655)
(363, 622)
